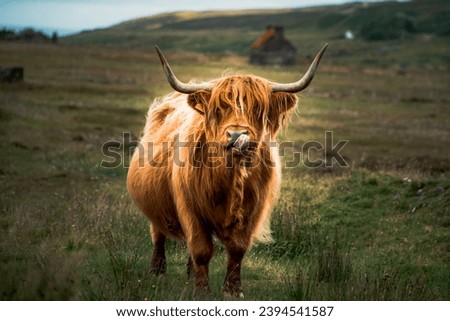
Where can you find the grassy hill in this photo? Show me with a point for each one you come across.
(405, 27)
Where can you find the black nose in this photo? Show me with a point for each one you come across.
(233, 135)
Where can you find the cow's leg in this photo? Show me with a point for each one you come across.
(190, 269)
(199, 243)
(235, 252)
(158, 262)
(201, 249)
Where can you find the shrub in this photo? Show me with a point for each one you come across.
(387, 29)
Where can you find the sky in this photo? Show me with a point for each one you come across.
(69, 16)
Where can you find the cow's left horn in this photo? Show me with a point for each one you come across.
(304, 81)
(175, 83)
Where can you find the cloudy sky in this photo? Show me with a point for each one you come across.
(75, 15)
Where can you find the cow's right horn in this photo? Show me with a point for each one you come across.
(295, 87)
(175, 83)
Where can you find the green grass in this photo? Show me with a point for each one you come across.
(378, 230)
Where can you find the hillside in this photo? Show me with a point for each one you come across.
(407, 27)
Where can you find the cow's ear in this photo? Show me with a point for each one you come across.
(280, 104)
(199, 100)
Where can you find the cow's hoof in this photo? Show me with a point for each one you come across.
(202, 292)
(233, 295)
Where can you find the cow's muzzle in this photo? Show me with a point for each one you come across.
(238, 140)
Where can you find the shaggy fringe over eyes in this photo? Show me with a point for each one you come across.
(245, 95)
(251, 97)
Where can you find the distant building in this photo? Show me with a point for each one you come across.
(349, 35)
(272, 48)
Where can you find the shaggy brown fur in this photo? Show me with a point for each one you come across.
(191, 187)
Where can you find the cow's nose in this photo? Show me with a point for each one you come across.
(233, 135)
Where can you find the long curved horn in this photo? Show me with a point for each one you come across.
(175, 83)
(304, 81)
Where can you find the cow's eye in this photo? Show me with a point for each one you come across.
(215, 116)
(219, 117)
(218, 114)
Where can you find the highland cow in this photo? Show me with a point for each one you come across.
(208, 165)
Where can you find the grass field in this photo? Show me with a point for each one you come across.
(376, 230)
